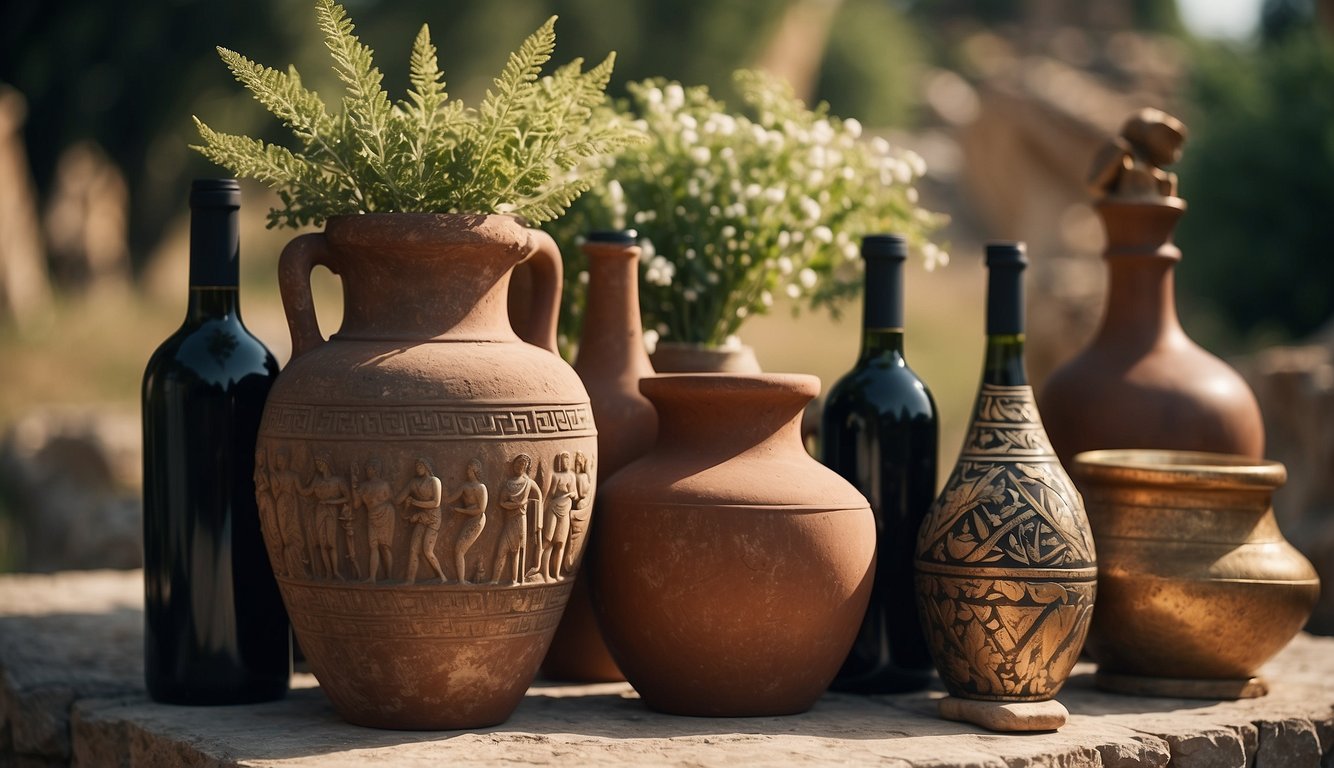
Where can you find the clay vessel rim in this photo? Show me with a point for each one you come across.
(716, 383)
(1145, 466)
(745, 506)
(426, 228)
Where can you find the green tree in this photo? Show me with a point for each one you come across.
(1259, 175)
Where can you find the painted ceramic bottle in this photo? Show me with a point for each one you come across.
(879, 432)
(1005, 564)
(732, 569)
(611, 362)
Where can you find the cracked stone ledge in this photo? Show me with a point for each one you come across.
(71, 693)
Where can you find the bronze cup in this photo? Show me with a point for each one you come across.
(1197, 588)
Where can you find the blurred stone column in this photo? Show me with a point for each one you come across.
(87, 220)
(24, 288)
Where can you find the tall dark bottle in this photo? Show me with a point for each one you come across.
(879, 431)
(215, 628)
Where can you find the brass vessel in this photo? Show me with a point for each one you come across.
(1196, 585)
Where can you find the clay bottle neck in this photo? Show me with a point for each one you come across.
(1141, 259)
(717, 416)
(613, 335)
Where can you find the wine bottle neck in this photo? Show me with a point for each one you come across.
(213, 302)
(1004, 362)
(215, 248)
(882, 304)
(1005, 315)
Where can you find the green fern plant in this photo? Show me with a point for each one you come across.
(524, 151)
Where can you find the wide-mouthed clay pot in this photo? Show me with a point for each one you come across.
(425, 464)
(733, 570)
(1196, 585)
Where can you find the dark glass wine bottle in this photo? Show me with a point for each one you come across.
(215, 628)
(879, 431)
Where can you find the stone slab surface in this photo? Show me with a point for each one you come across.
(71, 693)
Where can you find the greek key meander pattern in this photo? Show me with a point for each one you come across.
(373, 614)
(425, 422)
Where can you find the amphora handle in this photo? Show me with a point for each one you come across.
(547, 272)
(302, 255)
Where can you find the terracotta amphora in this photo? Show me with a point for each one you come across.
(611, 361)
(732, 569)
(425, 467)
(1197, 588)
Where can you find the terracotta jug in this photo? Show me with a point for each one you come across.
(732, 569)
(611, 362)
(1141, 382)
(424, 466)
(1197, 588)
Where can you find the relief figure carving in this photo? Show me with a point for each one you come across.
(421, 499)
(331, 497)
(583, 508)
(554, 526)
(474, 496)
(265, 503)
(285, 484)
(377, 497)
(515, 495)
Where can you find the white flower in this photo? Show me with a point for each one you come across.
(880, 146)
(660, 272)
(650, 340)
(731, 342)
(784, 239)
(687, 121)
(673, 96)
(807, 277)
(934, 256)
(824, 235)
(653, 96)
(766, 298)
(822, 131)
(583, 277)
(728, 231)
(853, 127)
(810, 209)
(774, 194)
(753, 191)
(700, 155)
(916, 162)
(792, 291)
(784, 265)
